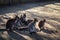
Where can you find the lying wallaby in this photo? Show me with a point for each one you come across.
(31, 26)
(10, 23)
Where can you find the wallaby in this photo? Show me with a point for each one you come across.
(31, 26)
(41, 24)
(10, 23)
(23, 19)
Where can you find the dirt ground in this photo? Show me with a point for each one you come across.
(45, 10)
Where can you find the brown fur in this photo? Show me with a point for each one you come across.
(41, 23)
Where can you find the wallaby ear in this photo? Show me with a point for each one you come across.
(16, 15)
(35, 19)
(44, 20)
(24, 15)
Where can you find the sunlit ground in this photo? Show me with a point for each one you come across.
(47, 10)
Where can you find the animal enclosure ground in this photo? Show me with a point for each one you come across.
(48, 10)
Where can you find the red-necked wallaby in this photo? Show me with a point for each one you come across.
(41, 24)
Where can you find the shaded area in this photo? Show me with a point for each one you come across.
(49, 31)
(3, 30)
(21, 7)
(11, 2)
(15, 36)
(36, 36)
(21, 34)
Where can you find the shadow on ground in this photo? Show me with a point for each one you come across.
(17, 35)
(21, 7)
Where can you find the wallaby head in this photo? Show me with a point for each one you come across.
(24, 15)
(35, 20)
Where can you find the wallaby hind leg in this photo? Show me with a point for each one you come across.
(41, 28)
